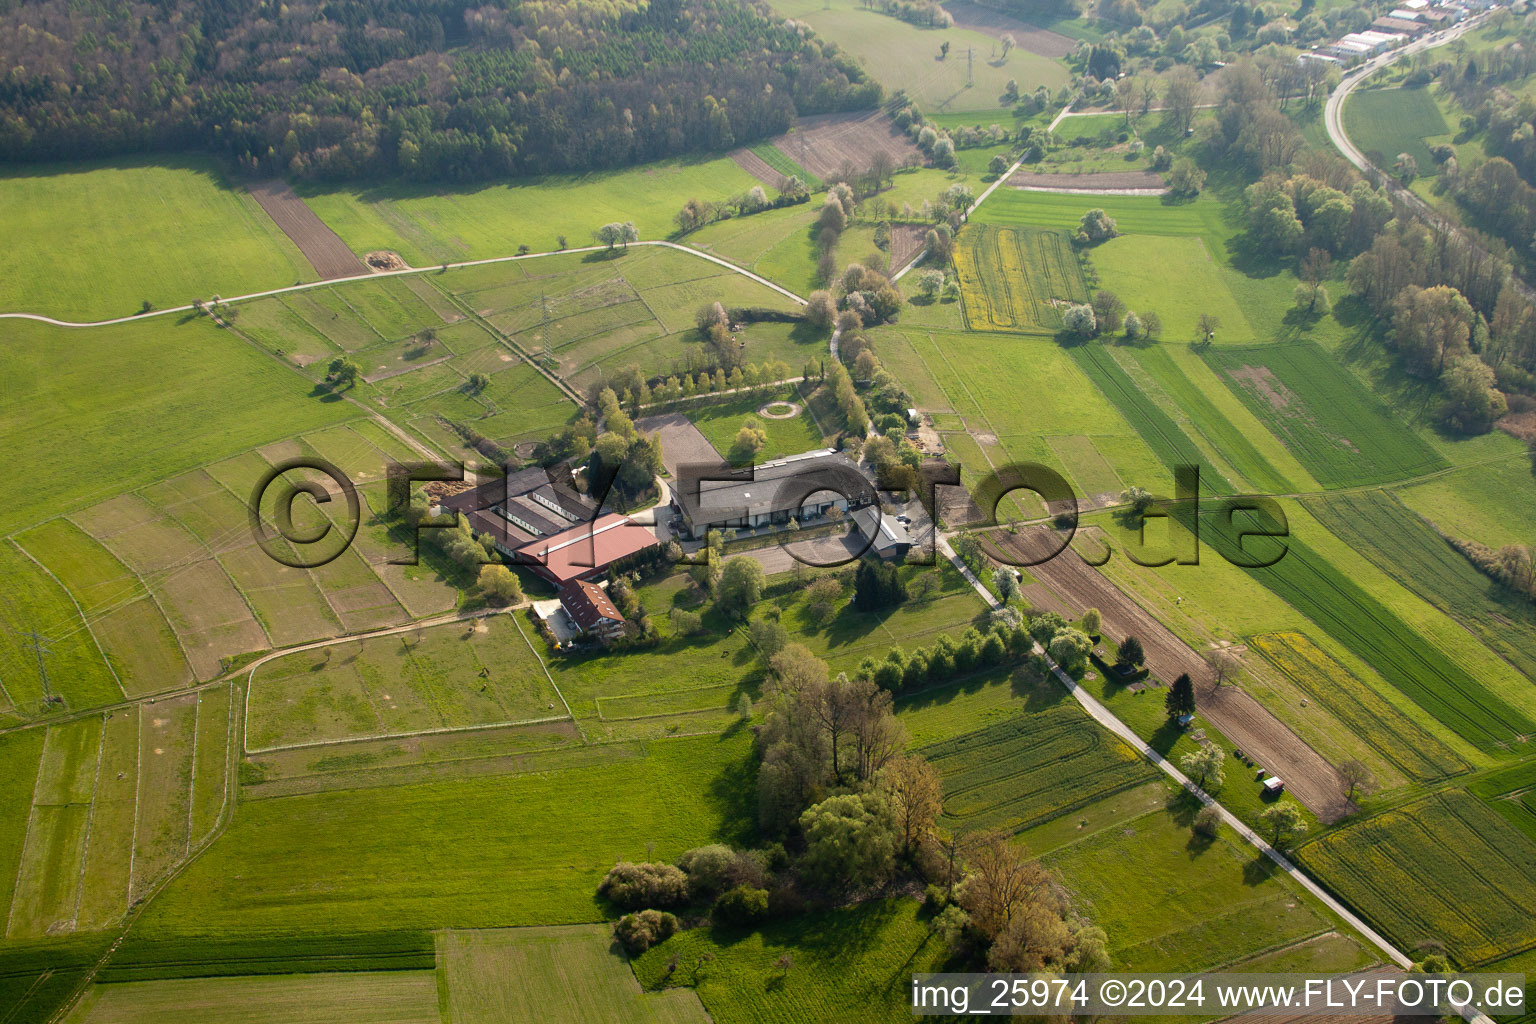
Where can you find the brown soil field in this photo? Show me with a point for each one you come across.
(906, 243)
(824, 144)
(324, 249)
(1100, 181)
(994, 23)
(1069, 586)
(757, 167)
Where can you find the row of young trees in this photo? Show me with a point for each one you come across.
(434, 90)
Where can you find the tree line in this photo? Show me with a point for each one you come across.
(437, 90)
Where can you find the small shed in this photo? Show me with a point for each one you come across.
(1274, 784)
(1185, 720)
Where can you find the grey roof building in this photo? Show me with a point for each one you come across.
(803, 487)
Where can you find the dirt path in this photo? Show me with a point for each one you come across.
(324, 249)
(1102, 182)
(1070, 586)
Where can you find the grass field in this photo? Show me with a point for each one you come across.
(849, 964)
(1175, 277)
(1173, 903)
(576, 974)
(1386, 122)
(1443, 869)
(20, 757)
(1364, 622)
(1025, 771)
(88, 240)
(428, 226)
(1402, 544)
(536, 860)
(33, 600)
(1415, 752)
(1512, 793)
(140, 644)
(1168, 441)
(1339, 431)
(48, 882)
(385, 997)
(720, 422)
(902, 56)
(1489, 503)
(449, 676)
(1017, 279)
(228, 398)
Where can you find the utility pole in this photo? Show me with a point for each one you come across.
(970, 64)
(39, 647)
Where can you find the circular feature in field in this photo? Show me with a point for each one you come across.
(780, 410)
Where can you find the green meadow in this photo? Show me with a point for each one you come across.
(95, 240)
(427, 226)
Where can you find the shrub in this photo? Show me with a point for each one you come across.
(710, 868)
(742, 905)
(1207, 822)
(640, 931)
(636, 885)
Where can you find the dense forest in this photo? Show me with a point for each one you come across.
(425, 89)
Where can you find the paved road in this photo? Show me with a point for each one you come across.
(727, 264)
(1108, 720)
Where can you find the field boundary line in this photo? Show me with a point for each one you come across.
(540, 659)
(379, 275)
(90, 824)
(436, 731)
(131, 571)
(197, 733)
(21, 862)
(138, 798)
(85, 620)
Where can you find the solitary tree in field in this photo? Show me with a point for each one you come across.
(1130, 656)
(1007, 40)
(1282, 821)
(740, 586)
(343, 373)
(785, 962)
(1203, 766)
(1225, 662)
(1358, 777)
(1181, 697)
(1207, 325)
(944, 49)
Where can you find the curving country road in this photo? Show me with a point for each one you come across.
(720, 261)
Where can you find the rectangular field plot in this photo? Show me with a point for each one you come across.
(368, 764)
(1177, 278)
(1381, 528)
(1032, 768)
(383, 997)
(109, 854)
(1444, 869)
(31, 600)
(1386, 122)
(1337, 429)
(1170, 905)
(20, 756)
(48, 883)
(130, 627)
(167, 739)
(452, 676)
(1362, 710)
(574, 973)
(1017, 278)
(491, 851)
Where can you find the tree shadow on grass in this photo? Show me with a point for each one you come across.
(1259, 869)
